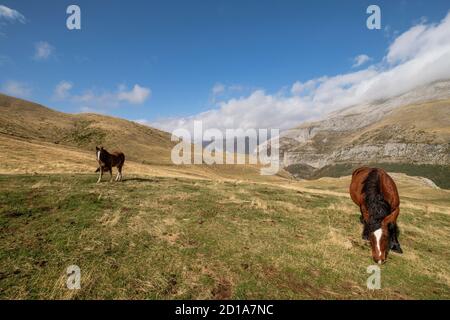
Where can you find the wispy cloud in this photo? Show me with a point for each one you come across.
(360, 60)
(43, 50)
(62, 90)
(417, 57)
(142, 121)
(94, 101)
(305, 88)
(16, 89)
(137, 95)
(11, 15)
(92, 110)
(218, 89)
(100, 101)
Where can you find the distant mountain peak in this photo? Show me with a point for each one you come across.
(412, 129)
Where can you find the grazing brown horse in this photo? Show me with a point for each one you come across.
(107, 161)
(374, 191)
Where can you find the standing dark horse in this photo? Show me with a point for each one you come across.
(107, 161)
(374, 191)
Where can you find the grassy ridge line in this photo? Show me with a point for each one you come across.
(26, 120)
(437, 173)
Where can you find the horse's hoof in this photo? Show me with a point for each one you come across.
(397, 249)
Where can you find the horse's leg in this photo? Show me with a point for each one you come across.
(110, 174)
(391, 222)
(119, 173)
(100, 175)
(365, 233)
(398, 248)
(361, 218)
(394, 245)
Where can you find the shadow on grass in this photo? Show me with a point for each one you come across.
(131, 179)
(137, 179)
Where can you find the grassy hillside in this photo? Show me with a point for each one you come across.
(35, 139)
(25, 120)
(24, 156)
(418, 123)
(173, 238)
(438, 174)
(421, 124)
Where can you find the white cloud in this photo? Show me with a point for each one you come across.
(419, 41)
(86, 109)
(62, 90)
(417, 57)
(137, 95)
(11, 14)
(222, 91)
(218, 89)
(299, 88)
(236, 87)
(16, 89)
(142, 121)
(360, 60)
(259, 110)
(100, 101)
(92, 100)
(43, 50)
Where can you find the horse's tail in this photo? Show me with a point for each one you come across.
(373, 197)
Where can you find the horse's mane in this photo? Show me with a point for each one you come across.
(373, 197)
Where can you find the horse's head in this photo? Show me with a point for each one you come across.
(98, 152)
(379, 241)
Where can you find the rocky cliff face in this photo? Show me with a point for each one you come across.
(413, 128)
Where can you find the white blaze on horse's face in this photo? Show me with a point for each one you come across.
(98, 155)
(378, 233)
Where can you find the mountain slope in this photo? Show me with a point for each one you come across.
(36, 139)
(412, 129)
(27, 120)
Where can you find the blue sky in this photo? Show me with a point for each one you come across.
(176, 52)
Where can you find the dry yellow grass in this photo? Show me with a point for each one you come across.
(26, 120)
(175, 238)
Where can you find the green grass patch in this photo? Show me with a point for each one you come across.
(437, 173)
(164, 238)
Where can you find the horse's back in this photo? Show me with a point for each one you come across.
(360, 171)
(389, 188)
(358, 177)
(387, 184)
(120, 156)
